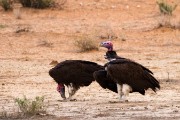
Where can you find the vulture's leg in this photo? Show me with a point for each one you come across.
(119, 89)
(126, 89)
(71, 90)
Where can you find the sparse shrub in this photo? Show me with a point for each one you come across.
(37, 3)
(85, 43)
(6, 4)
(30, 107)
(166, 17)
(2, 26)
(166, 8)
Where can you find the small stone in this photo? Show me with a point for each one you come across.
(138, 6)
(113, 6)
(175, 111)
(126, 101)
(81, 4)
(127, 6)
(145, 108)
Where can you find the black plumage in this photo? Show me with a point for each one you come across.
(78, 72)
(75, 74)
(112, 55)
(104, 81)
(125, 71)
(130, 76)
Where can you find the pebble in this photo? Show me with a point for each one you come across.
(127, 6)
(138, 6)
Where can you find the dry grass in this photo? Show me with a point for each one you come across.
(17, 10)
(165, 8)
(30, 107)
(6, 4)
(2, 26)
(86, 43)
(37, 3)
(27, 109)
(168, 21)
(166, 18)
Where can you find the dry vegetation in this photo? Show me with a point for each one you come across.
(86, 43)
(138, 30)
(166, 9)
(29, 107)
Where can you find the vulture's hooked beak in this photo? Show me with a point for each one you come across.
(61, 90)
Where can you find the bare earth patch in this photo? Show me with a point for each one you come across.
(46, 35)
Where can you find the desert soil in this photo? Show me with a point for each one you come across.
(29, 44)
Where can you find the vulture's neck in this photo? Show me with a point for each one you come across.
(112, 55)
(110, 49)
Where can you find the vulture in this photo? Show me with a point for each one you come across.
(129, 76)
(78, 73)
(104, 81)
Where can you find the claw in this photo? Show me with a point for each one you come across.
(73, 99)
(63, 96)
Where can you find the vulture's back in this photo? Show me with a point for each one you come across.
(128, 72)
(74, 71)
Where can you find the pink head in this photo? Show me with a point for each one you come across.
(107, 44)
(61, 90)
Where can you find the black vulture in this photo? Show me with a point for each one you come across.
(75, 74)
(129, 76)
(104, 81)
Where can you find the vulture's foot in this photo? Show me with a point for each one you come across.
(63, 96)
(71, 99)
(123, 101)
(64, 100)
(67, 100)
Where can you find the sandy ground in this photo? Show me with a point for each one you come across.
(29, 44)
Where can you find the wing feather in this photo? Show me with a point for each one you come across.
(125, 71)
(103, 80)
(74, 71)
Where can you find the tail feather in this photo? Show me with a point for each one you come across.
(152, 80)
